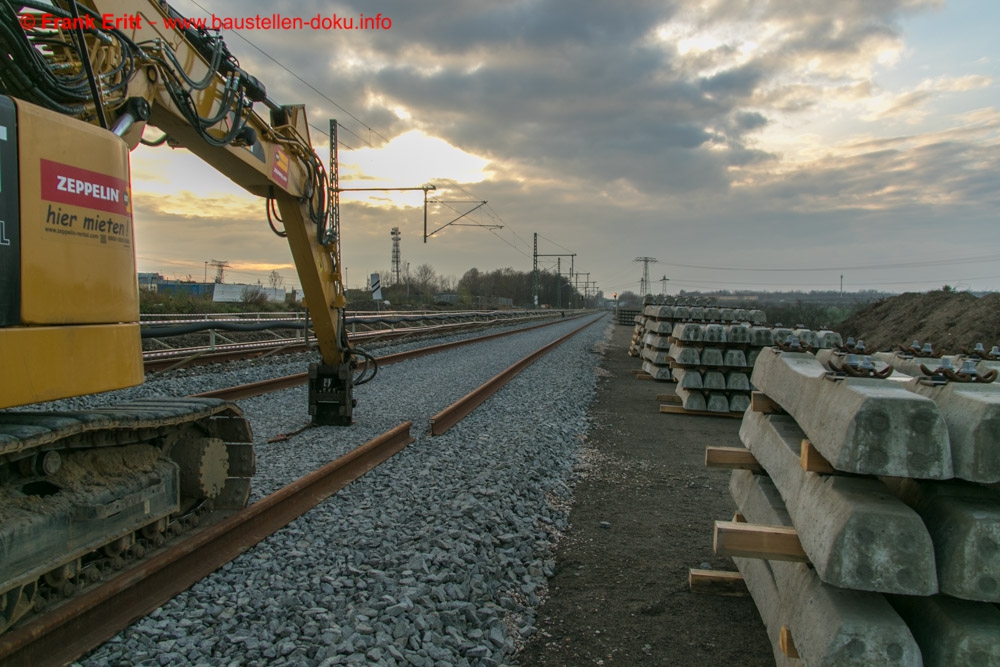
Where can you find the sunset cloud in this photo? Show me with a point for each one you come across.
(634, 127)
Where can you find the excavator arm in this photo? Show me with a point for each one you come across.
(126, 64)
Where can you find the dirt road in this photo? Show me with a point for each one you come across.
(642, 516)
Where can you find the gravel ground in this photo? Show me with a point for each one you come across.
(437, 557)
(643, 507)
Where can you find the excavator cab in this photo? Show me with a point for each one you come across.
(69, 299)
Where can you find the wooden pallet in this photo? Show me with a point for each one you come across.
(717, 582)
(678, 410)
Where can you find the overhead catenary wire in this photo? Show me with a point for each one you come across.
(489, 210)
(526, 254)
(541, 236)
(340, 142)
(517, 237)
(496, 216)
(305, 83)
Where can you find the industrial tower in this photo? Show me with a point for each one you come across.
(395, 234)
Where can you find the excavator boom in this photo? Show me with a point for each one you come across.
(120, 65)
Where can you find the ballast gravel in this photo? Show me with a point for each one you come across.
(210, 377)
(437, 557)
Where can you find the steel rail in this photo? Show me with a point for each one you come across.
(159, 360)
(288, 381)
(205, 354)
(69, 631)
(454, 413)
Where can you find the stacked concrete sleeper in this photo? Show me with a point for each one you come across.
(635, 345)
(904, 547)
(709, 351)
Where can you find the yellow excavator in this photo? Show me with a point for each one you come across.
(81, 492)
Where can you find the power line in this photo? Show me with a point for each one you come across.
(492, 212)
(717, 284)
(363, 124)
(340, 142)
(188, 264)
(926, 282)
(869, 267)
(554, 243)
(304, 82)
(831, 286)
(508, 242)
(488, 209)
(617, 276)
(499, 219)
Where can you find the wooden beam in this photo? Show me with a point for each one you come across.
(643, 376)
(786, 644)
(738, 458)
(717, 582)
(749, 540)
(761, 402)
(812, 460)
(678, 410)
(738, 517)
(668, 398)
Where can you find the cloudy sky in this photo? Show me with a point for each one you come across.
(743, 144)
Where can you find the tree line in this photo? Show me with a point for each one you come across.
(423, 285)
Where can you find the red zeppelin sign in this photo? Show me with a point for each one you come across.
(65, 184)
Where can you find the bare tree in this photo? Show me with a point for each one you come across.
(447, 283)
(253, 295)
(275, 280)
(425, 279)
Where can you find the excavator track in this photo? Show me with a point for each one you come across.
(82, 492)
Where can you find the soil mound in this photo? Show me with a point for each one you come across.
(950, 321)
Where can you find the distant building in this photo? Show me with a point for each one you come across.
(217, 292)
(493, 301)
(446, 297)
(225, 293)
(149, 282)
(196, 290)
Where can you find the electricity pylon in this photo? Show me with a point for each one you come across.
(644, 284)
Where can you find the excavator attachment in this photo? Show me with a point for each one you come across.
(330, 402)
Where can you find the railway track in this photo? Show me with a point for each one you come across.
(95, 615)
(156, 361)
(298, 379)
